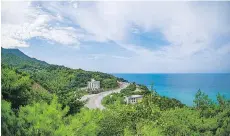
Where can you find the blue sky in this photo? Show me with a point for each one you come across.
(122, 37)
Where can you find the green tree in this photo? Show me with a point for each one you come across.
(202, 101)
(222, 101)
(109, 83)
(43, 119)
(129, 89)
(70, 99)
(116, 120)
(148, 128)
(16, 87)
(8, 119)
(86, 122)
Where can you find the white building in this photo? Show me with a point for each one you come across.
(93, 85)
(133, 99)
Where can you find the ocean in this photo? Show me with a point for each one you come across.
(184, 86)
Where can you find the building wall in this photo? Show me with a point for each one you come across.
(133, 100)
(93, 85)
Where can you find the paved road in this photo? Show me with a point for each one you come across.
(94, 100)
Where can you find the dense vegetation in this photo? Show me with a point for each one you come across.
(53, 77)
(163, 103)
(144, 118)
(26, 80)
(35, 104)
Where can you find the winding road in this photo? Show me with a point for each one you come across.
(93, 101)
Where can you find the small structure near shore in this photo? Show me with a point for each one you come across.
(93, 85)
(133, 99)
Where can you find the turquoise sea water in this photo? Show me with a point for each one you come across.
(184, 86)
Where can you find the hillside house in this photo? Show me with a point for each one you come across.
(93, 85)
(133, 99)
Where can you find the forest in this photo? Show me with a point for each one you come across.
(40, 99)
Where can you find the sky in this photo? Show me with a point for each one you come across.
(122, 37)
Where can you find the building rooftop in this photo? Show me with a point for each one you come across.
(135, 96)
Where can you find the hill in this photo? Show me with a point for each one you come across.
(26, 80)
(17, 58)
(53, 77)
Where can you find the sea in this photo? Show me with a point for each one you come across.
(184, 86)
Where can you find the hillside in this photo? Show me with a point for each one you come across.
(17, 58)
(26, 80)
(53, 77)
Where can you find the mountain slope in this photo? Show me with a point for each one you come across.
(53, 77)
(15, 57)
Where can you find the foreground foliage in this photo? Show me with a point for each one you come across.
(144, 118)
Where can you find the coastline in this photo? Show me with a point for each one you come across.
(183, 86)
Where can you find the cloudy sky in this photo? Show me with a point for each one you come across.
(115, 37)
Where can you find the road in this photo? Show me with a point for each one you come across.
(94, 100)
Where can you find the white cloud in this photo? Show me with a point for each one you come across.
(29, 21)
(184, 24)
(120, 57)
(16, 12)
(190, 28)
